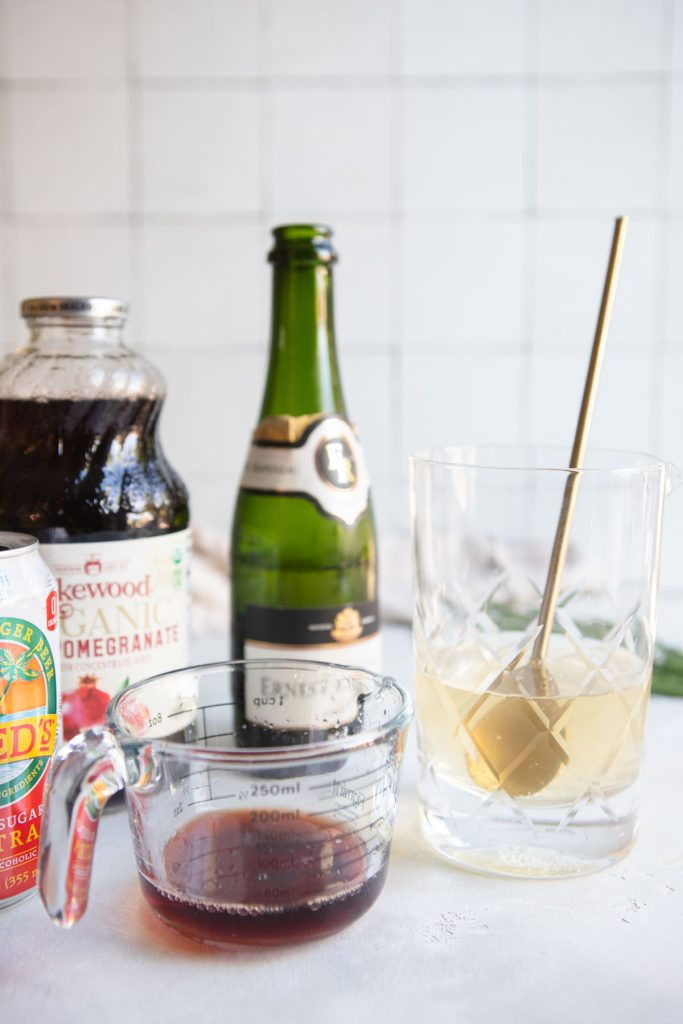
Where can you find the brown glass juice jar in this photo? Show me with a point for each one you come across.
(82, 469)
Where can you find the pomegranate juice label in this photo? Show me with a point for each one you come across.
(124, 609)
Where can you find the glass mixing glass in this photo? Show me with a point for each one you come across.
(529, 770)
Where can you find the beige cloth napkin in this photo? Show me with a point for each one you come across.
(209, 582)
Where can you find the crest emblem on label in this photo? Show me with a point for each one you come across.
(335, 463)
(322, 462)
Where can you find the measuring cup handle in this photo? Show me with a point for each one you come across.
(86, 772)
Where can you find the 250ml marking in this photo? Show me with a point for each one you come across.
(274, 789)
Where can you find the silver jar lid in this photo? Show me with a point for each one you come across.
(75, 307)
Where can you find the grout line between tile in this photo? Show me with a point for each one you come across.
(181, 218)
(658, 362)
(264, 217)
(138, 337)
(526, 376)
(398, 454)
(266, 117)
(577, 79)
(8, 252)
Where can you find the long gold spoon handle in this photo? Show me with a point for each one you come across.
(551, 592)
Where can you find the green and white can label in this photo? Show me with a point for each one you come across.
(29, 711)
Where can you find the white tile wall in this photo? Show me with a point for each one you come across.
(598, 145)
(570, 262)
(6, 277)
(457, 37)
(330, 150)
(602, 37)
(212, 502)
(325, 37)
(68, 150)
(672, 413)
(463, 283)
(200, 150)
(5, 199)
(463, 148)
(677, 48)
(452, 397)
(200, 286)
(470, 153)
(368, 389)
(211, 406)
(195, 38)
(676, 165)
(623, 410)
(364, 275)
(68, 39)
(69, 257)
(674, 291)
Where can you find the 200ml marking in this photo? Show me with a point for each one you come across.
(266, 817)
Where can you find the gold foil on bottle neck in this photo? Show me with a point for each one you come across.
(285, 428)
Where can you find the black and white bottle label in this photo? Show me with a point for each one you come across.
(324, 464)
(347, 635)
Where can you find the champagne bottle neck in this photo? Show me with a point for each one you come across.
(303, 375)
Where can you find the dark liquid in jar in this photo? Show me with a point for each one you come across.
(86, 469)
(263, 877)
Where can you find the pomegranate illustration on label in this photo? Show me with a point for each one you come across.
(83, 707)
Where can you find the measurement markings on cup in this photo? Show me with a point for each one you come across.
(265, 836)
(215, 736)
(269, 816)
(212, 799)
(362, 828)
(271, 789)
(203, 707)
(380, 768)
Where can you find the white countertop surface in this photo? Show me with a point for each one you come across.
(607, 947)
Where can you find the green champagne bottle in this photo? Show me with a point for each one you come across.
(304, 565)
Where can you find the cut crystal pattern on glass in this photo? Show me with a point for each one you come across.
(521, 755)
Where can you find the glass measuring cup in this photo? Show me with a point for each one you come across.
(235, 844)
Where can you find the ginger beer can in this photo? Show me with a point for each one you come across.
(29, 707)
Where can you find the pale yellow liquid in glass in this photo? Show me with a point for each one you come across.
(582, 740)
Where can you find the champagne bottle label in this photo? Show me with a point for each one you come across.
(347, 635)
(314, 457)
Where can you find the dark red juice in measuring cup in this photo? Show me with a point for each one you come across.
(262, 877)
